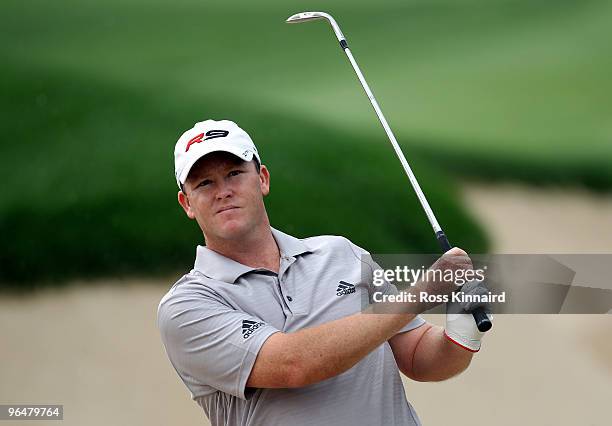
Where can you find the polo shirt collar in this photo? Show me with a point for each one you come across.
(288, 245)
(221, 268)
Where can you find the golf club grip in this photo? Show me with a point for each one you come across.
(444, 243)
(480, 316)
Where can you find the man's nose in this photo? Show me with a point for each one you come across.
(224, 191)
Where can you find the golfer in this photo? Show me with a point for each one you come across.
(268, 329)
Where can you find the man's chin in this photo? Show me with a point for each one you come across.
(232, 229)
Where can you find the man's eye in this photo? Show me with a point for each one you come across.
(204, 183)
(235, 172)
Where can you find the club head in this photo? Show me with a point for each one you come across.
(298, 18)
(306, 16)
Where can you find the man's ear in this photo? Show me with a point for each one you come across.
(184, 202)
(264, 180)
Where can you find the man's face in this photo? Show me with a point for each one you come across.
(225, 195)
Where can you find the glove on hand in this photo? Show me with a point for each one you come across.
(460, 325)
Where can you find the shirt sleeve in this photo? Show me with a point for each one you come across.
(388, 288)
(367, 275)
(209, 343)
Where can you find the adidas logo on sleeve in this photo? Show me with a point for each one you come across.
(345, 288)
(249, 327)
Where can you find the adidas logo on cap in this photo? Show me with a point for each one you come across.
(249, 327)
(345, 288)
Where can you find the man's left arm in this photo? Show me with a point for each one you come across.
(430, 353)
(425, 354)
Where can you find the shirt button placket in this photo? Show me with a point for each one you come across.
(282, 279)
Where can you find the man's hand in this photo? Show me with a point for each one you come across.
(460, 325)
(453, 260)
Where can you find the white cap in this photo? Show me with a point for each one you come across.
(210, 136)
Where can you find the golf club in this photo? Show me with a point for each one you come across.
(482, 320)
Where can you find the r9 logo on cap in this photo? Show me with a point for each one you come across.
(211, 134)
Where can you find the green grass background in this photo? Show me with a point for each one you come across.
(94, 95)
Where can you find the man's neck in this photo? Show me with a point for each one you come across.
(258, 250)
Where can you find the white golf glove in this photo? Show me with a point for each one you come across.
(460, 325)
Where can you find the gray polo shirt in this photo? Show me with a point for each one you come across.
(215, 319)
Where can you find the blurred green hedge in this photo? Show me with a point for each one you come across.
(88, 185)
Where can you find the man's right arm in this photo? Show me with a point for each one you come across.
(308, 356)
(314, 354)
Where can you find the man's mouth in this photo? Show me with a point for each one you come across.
(226, 208)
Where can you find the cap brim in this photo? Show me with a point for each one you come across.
(240, 153)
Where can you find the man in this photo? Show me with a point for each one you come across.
(268, 329)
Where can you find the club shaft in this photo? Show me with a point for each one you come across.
(398, 151)
(483, 322)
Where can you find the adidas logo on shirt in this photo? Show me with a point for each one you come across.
(345, 288)
(249, 327)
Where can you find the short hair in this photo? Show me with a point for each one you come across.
(257, 166)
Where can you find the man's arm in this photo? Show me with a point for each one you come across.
(430, 353)
(318, 353)
(425, 354)
(314, 354)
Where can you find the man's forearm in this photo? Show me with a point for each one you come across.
(330, 349)
(436, 358)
